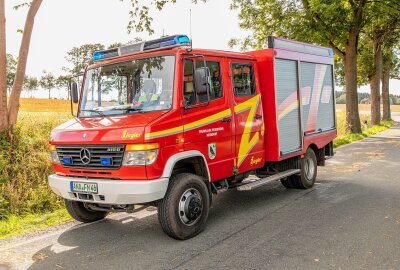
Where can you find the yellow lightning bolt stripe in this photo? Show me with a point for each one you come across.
(163, 133)
(193, 125)
(208, 120)
(246, 144)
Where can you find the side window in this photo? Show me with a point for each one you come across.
(188, 85)
(188, 81)
(215, 72)
(243, 79)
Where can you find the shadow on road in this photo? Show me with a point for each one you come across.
(140, 243)
(132, 243)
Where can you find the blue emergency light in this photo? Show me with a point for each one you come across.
(157, 44)
(106, 161)
(67, 160)
(105, 54)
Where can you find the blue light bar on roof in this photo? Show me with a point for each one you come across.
(152, 45)
(177, 40)
(105, 54)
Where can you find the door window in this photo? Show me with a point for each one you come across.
(213, 71)
(243, 79)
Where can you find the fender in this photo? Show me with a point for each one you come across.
(169, 166)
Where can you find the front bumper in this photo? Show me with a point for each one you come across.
(111, 191)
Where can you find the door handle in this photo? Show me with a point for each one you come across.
(258, 116)
(226, 120)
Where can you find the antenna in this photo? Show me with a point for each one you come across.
(190, 30)
(190, 23)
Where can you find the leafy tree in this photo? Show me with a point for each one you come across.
(63, 82)
(340, 98)
(11, 69)
(80, 57)
(391, 69)
(381, 30)
(139, 17)
(336, 24)
(47, 81)
(115, 45)
(30, 84)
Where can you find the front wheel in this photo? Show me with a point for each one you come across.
(79, 212)
(184, 210)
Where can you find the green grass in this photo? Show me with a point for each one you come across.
(352, 137)
(15, 224)
(25, 165)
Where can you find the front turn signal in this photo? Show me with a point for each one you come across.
(142, 147)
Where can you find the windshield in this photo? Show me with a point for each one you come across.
(140, 85)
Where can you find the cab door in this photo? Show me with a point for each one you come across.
(249, 122)
(207, 118)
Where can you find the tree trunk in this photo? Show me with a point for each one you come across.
(13, 105)
(3, 69)
(49, 93)
(385, 94)
(350, 77)
(375, 83)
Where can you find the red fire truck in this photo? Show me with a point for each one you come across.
(162, 124)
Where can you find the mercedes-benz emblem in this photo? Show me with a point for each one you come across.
(85, 156)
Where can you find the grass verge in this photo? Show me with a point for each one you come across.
(352, 137)
(15, 224)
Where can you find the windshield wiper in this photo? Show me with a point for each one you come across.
(133, 109)
(98, 112)
(127, 109)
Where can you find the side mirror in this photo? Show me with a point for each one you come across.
(202, 83)
(74, 92)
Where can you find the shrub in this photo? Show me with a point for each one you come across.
(25, 165)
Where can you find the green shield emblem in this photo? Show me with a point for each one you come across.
(212, 150)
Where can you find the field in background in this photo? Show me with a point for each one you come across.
(366, 108)
(45, 105)
(365, 112)
(26, 202)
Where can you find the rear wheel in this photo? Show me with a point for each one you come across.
(79, 212)
(308, 173)
(184, 210)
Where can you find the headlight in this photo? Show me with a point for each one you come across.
(140, 154)
(137, 158)
(54, 157)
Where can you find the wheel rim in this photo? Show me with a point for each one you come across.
(309, 168)
(190, 206)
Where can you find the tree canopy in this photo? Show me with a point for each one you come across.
(337, 24)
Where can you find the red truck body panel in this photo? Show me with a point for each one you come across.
(243, 130)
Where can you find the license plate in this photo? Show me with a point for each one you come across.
(83, 187)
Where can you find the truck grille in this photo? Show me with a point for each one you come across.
(91, 156)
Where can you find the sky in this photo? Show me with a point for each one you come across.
(61, 25)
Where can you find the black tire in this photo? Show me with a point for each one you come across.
(184, 210)
(287, 183)
(80, 213)
(308, 173)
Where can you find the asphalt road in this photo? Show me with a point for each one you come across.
(349, 220)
